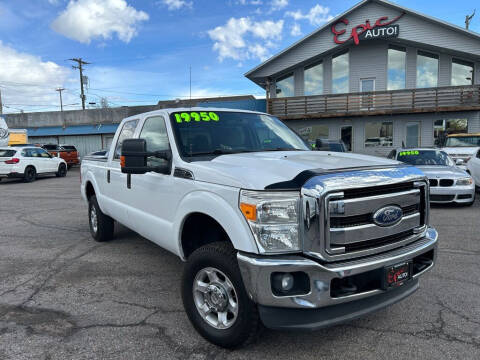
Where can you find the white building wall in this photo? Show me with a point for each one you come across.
(445, 70)
(368, 60)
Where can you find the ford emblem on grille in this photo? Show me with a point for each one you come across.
(388, 216)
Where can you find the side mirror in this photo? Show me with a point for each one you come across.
(459, 162)
(133, 159)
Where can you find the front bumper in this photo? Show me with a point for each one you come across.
(452, 194)
(314, 319)
(256, 273)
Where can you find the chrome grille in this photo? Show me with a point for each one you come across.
(344, 226)
(340, 239)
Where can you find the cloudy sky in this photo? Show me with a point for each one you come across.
(141, 50)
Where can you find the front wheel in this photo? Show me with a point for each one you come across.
(215, 298)
(101, 225)
(62, 171)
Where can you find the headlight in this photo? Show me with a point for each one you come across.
(465, 181)
(273, 218)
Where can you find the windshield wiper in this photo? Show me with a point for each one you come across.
(229, 152)
(282, 149)
(218, 152)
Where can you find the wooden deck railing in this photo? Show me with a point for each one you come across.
(452, 98)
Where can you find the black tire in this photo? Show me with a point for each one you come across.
(62, 171)
(104, 227)
(69, 166)
(30, 174)
(221, 256)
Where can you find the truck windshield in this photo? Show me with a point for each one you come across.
(223, 132)
(463, 141)
(424, 157)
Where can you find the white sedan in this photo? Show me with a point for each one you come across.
(473, 168)
(448, 182)
(28, 162)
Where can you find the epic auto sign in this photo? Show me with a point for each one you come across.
(383, 28)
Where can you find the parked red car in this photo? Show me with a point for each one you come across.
(68, 153)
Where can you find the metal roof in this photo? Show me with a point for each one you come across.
(73, 130)
(342, 15)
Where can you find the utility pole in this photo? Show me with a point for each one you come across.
(1, 104)
(61, 106)
(80, 63)
(60, 93)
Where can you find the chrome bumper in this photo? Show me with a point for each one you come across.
(256, 273)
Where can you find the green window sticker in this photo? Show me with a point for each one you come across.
(196, 116)
(409, 153)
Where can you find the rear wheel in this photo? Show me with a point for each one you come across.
(62, 171)
(215, 298)
(101, 225)
(30, 174)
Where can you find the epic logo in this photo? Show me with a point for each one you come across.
(366, 30)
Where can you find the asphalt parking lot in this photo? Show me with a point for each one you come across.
(63, 296)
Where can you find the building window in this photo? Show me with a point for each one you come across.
(340, 70)
(314, 79)
(427, 70)
(285, 86)
(311, 133)
(462, 72)
(378, 133)
(397, 60)
(442, 128)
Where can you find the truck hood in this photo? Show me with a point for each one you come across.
(455, 151)
(257, 170)
(443, 172)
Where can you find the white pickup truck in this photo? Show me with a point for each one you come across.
(271, 231)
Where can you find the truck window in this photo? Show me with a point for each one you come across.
(154, 132)
(208, 133)
(127, 132)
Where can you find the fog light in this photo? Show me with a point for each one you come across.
(287, 282)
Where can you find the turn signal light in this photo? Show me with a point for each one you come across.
(122, 161)
(12, 161)
(249, 211)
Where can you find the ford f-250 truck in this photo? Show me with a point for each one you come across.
(271, 231)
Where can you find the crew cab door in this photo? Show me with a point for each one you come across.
(153, 194)
(113, 182)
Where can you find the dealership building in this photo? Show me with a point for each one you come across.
(378, 76)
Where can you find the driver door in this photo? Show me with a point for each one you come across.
(153, 194)
(49, 162)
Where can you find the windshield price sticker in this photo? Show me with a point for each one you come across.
(409, 153)
(196, 116)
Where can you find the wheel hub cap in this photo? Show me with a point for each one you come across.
(215, 298)
(93, 219)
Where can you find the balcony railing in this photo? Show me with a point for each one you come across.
(452, 98)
